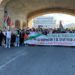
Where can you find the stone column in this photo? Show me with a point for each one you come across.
(29, 23)
(1, 16)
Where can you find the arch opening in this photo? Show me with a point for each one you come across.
(52, 20)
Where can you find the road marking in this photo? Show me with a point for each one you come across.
(11, 60)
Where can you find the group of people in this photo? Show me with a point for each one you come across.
(10, 38)
(17, 37)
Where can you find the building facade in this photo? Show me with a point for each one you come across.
(44, 22)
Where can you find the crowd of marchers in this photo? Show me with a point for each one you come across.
(17, 37)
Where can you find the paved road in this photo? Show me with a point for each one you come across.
(37, 61)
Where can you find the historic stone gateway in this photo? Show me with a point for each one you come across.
(24, 10)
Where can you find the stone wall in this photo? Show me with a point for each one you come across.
(1, 16)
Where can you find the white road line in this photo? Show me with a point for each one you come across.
(13, 59)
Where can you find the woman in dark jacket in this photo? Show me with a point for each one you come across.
(1, 38)
(13, 38)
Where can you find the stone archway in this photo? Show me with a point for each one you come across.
(17, 24)
(24, 25)
(27, 9)
(50, 10)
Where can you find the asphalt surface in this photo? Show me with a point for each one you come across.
(37, 60)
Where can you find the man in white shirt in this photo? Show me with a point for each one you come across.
(8, 38)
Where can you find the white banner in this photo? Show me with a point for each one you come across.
(62, 39)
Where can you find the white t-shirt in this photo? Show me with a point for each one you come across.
(8, 34)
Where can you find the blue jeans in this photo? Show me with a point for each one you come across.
(8, 42)
(17, 41)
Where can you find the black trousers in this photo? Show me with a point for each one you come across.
(0, 41)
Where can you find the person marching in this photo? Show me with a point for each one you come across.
(8, 38)
(17, 38)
